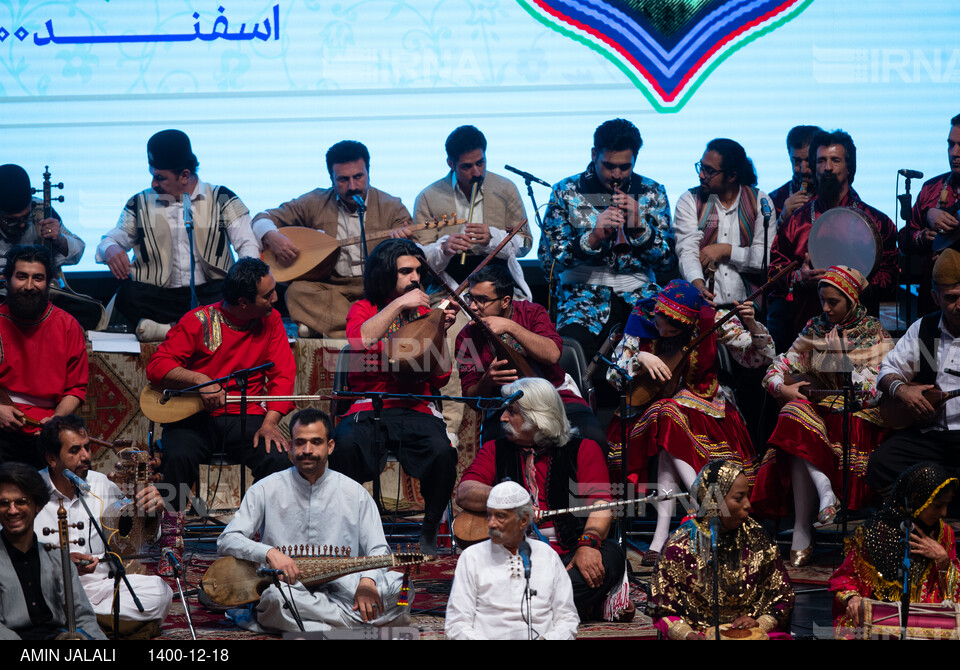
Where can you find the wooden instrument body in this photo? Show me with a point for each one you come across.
(420, 346)
(645, 389)
(896, 416)
(233, 582)
(135, 531)
(926, 621)
(320, 252)
(168, 410)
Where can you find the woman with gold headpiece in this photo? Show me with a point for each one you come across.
(755, 593)
(807, 443)
(699, 422)
(875, 551)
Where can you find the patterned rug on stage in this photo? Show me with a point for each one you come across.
(432, 583)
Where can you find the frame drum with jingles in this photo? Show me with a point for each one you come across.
(844, 236)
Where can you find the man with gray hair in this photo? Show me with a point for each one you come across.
(488, 587)
(560, 470)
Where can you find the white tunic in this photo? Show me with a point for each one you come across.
(488, 586)
(152, 591)
(336, 511)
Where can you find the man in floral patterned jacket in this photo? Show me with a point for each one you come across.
(606, 232)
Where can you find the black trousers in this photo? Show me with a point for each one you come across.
(907, 447)
(188, 443)
(589, 601)
(419, 442)
(21, 448)
(136, 300)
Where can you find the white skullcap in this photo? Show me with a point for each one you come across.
(508, 495)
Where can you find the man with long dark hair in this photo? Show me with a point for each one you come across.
(412, 428)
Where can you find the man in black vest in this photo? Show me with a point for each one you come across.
(560, 470)
(923, 358)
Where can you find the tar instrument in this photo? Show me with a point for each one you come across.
(320, 252)
(926, 621)
(896, 415)
(409, 346)
(844, 236)
(131, 530)
(161, 409)
(727, 632)
(48, 200)
(63, 531)
(645, 389)
(470, 527)
(233, 582)
(502, 351)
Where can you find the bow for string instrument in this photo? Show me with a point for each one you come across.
(645, 389)
(502, 350)
(408, 347)
(233, 582)
(63, 531)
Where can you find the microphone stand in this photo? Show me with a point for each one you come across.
(241, 379)
(188, 224)
(906, 207)
(907, 527)
(528, 593)
(625, 380)
(714, 511)
(361, 211)
(167, 554)
(287, 604)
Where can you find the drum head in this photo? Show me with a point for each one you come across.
(844, 236)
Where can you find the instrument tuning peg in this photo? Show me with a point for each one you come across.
(49, 531)
(80, 542)
(78, 525)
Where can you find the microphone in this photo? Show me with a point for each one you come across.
(910, 174)
(525, 558)
(187, 212)
(527, 176)
(612, 338)
(171, 558)
(77, 481)
(361, 205)
(269, 572)
(510, 399)
(765, 208)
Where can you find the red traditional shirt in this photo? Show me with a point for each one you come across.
(475, 353)
(42, 361)
(371, 371)
(206, 341)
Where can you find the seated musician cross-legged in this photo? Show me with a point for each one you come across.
(313, 505)
(871, 567)
(560, 470)
(755, 593)
(66, 446)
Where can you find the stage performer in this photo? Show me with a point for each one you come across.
(497, 210)
(808, 439)
(312, 504)
(43, 362)
(719, 225)
(66, 446)
(411, 428)
(320, 307)
(802, 185)
(935, 211)
(794, 300)
(240, 332)
(700, 421)
(922, 360)
(875, 551)
(32, 607)
(526, 327)
(486, 600)
(155, 289)
(755, 591)
(598, 280)
(560, 470)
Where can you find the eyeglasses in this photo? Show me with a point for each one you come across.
(10, 221)
(479, 299)
(707, 171)
(19, 502)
